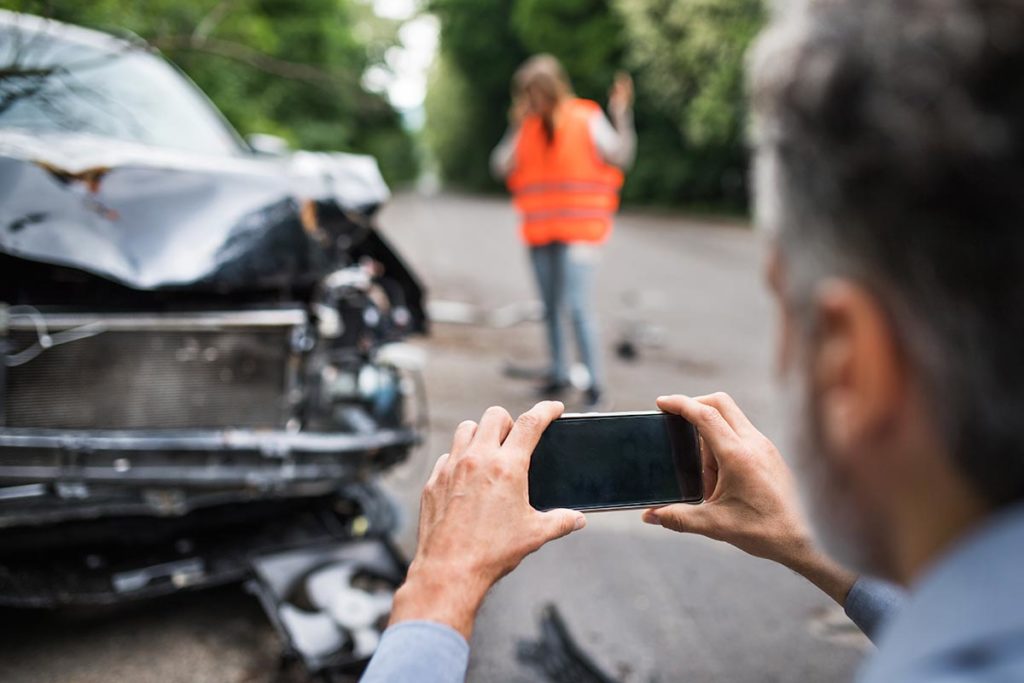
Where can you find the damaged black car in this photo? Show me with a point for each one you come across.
(202, 342)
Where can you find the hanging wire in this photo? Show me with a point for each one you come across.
(44, 339)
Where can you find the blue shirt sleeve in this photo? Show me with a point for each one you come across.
(419, 652)
(870, 602)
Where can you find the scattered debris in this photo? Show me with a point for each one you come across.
(502, 317)
(557, 656)
(635, 332)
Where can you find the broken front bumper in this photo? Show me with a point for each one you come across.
(133, 557)
(232, 457)
(48, 476)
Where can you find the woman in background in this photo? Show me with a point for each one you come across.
(563, 162)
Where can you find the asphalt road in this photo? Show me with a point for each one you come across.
(646, 604)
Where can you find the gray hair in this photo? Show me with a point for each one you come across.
(890, 150)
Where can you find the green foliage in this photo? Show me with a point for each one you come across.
(272, 66)
(686, 56)
(690, 59)
(585, 36)
(449, 124)
(479, 52)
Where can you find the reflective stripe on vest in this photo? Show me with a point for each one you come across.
(562, 188)
(564, 213)
(535, 188)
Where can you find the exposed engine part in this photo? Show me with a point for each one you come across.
(116, 559)
(253, 401)
(44, 340)
(330, 604)
(215, 369)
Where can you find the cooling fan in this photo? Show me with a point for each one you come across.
(331, 605)
(338, 608)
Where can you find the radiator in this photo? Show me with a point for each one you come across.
(210, 370)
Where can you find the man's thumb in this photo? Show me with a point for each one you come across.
(690, 519)
(558, 523)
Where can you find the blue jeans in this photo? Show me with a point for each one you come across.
(564, 276)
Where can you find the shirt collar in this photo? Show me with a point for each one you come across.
(973, 595)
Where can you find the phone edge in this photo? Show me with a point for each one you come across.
(631, 506)
(623, 413)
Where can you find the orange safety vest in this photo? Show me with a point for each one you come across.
(562, 188)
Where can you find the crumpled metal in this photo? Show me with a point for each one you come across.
(155, 218)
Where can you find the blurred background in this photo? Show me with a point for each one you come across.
(423, 87)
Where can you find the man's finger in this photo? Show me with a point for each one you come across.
(688, 519)
(561, 522)
(713, 428)
(494, 426)
(709, 470)
(436, 472)
(463, 435)
(528, 428)
(725, 405)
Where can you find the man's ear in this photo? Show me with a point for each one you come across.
(857, 372)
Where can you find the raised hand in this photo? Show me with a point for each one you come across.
(620, 96)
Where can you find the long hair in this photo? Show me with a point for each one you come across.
(545, 74)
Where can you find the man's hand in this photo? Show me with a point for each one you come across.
(476, 522)
(751, 498)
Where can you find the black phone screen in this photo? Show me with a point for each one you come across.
(616, 461)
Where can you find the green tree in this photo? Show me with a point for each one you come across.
(687, 59)
(479, 52)
(272, 66)
(452, 112)
(585, 35)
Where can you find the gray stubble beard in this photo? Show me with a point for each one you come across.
(839, 527)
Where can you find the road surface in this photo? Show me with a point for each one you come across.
(647, 604)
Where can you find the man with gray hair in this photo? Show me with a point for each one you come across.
(889, 140)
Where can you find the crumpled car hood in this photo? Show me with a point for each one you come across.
(151, 218)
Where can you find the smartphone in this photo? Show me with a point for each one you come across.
(616, 461)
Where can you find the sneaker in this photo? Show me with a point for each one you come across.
(553, 389)
(594, 400)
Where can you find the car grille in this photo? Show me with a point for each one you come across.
(153, 379)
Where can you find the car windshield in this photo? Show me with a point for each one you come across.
(51, 83)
